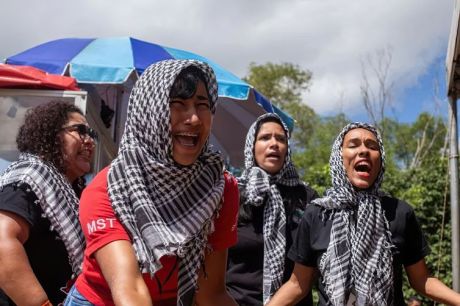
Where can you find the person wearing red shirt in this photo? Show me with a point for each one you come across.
(159, 220)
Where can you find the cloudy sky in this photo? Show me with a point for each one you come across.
(329, 37)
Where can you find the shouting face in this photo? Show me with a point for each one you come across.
(361, 157)
(270, 147)
(191, 121)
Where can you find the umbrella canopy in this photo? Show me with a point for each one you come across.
(114, 60)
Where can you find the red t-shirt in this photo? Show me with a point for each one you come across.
(101, 226)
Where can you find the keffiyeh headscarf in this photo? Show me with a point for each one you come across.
(56, 198)
(359, 256)
(167, 209)
(261, 188)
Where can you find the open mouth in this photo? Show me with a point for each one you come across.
(187, 139)
(363, 168)
(273, 156)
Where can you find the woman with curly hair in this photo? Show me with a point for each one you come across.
(41, 242)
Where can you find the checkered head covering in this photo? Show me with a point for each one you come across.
(261, 189)
(359, 258)
(168, 209)
(56, 198)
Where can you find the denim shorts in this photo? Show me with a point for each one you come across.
(74, 298)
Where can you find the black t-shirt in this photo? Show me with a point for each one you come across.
(245, 259)
(46, 252)
(313, 238)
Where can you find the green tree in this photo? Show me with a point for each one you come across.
(284, 84)
(313, 161)
(417, 172)
(426, 189)
(306, 123)
(280, 83)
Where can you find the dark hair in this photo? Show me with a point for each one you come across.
(39, 133)
(246, 211)
(259, 125)
(186, 83)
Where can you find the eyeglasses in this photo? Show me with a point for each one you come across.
(82, 129)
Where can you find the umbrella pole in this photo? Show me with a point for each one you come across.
(454, 195)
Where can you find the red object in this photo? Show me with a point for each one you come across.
(13, 76)
(101, 226)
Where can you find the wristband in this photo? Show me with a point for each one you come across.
(47, 303)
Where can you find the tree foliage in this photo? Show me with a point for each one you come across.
(426, 189)
(283, 84)
(280, 83)
(313, 161)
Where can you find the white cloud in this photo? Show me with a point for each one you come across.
(328, 37)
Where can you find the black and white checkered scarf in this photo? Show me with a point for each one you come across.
(167, 209)
(359, 255)
(56, 198)
(260, 188)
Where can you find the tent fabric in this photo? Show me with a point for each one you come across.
(13, 76)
